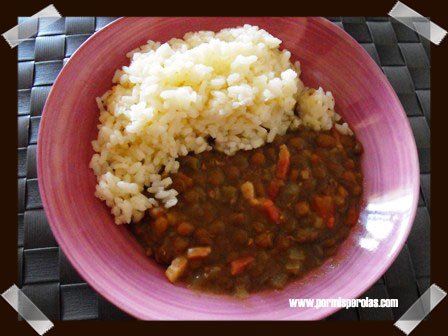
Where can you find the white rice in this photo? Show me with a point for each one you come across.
(235, 86)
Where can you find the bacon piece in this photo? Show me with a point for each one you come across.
(176, 269)
(198, 252)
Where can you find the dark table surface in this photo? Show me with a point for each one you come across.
(46, 276)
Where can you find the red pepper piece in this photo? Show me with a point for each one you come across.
(239, 265)
(284, 159)
(272, 211)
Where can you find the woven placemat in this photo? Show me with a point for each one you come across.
(45, 274)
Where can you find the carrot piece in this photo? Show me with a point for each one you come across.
(284, 159)
(239, 265)
(247, 189)
(272, 211)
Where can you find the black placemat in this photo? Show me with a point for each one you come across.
(45, 274)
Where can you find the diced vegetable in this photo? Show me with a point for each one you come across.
(198, 252)
(284, 159)
(176, 269)
(239, 265)
(296, 254)
(248, 191)
(272, 211)
(293, 266)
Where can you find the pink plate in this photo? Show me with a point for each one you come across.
(108, 257)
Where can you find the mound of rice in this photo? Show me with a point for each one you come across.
(235, 86)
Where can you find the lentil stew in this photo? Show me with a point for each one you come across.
(261, 218)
